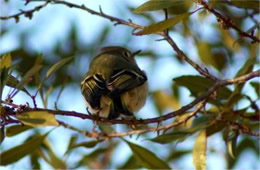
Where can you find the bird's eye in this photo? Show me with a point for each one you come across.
(127, 54)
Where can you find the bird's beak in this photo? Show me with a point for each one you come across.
(135, 53)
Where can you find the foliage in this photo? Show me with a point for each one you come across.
(228, 56)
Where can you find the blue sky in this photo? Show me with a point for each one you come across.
(51, 24)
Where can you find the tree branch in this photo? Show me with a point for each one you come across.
(227, 23)
(26, 13)
(184, 109)
(166, 36)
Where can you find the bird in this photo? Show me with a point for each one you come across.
(114, 85)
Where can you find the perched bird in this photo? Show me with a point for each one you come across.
(114, 84)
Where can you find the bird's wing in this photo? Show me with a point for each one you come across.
(124, 80)
(93, 87)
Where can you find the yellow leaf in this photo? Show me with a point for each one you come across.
(163, 25)
(38, 119)
(5, 61)
(199, 151)
(165, 101)
(154, 5)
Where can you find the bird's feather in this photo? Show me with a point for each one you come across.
(93, 87)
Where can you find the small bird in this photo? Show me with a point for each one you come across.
(114, 84)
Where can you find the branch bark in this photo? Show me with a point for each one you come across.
(184, 109)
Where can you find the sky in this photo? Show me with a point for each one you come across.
(53, 23)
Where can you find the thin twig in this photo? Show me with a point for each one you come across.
(241, 127)
(184, 109)
(182, 56)
(118, 21)
(26, 13)
(227, 23)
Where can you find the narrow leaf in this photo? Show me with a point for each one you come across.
(219, 60)
(18, 152)
(163, 25)
(199, 123)
(13, 82)
(256, 86)
(34, 159)
(231, 143)
(54, 161)
(236, 95)
(58, 65)
(131, 163)
(199, 151)
(35, 69)
(147, 158)
(85, 160)
(16, 129)
(45, 102)
(71, 144)
(170, 137)
(154, 5)
(205, 54)
(198, 85)
(38, 119)
(177, 154)
(247, 67)
(2, 134)
(89, 144)
(246, 4)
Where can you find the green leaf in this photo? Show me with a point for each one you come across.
(154, 5)
(45, 101)
(198, 123)
(163, 25)
(13, 82)
(246, 4)
(5, 64)
(247, 67)
(177, 154)
(198, 85)
(18, 152)
(215, 127)
(229, 40)
(199, 151)
(38, 118)
(216, 59)
(6, 61)
(16, 129)
(89, 144)
(58, 65)
(231, 143)
(147, 158)
(220, 60)
(35, 69)
(54, 161)
(131, 163)
(2, 134)
(204, 50)
(105, 128)
(170, 137)
(92, 156)
(34, 159)
(244, 145)
(71, 143)
(256, 86)
(236, 95)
